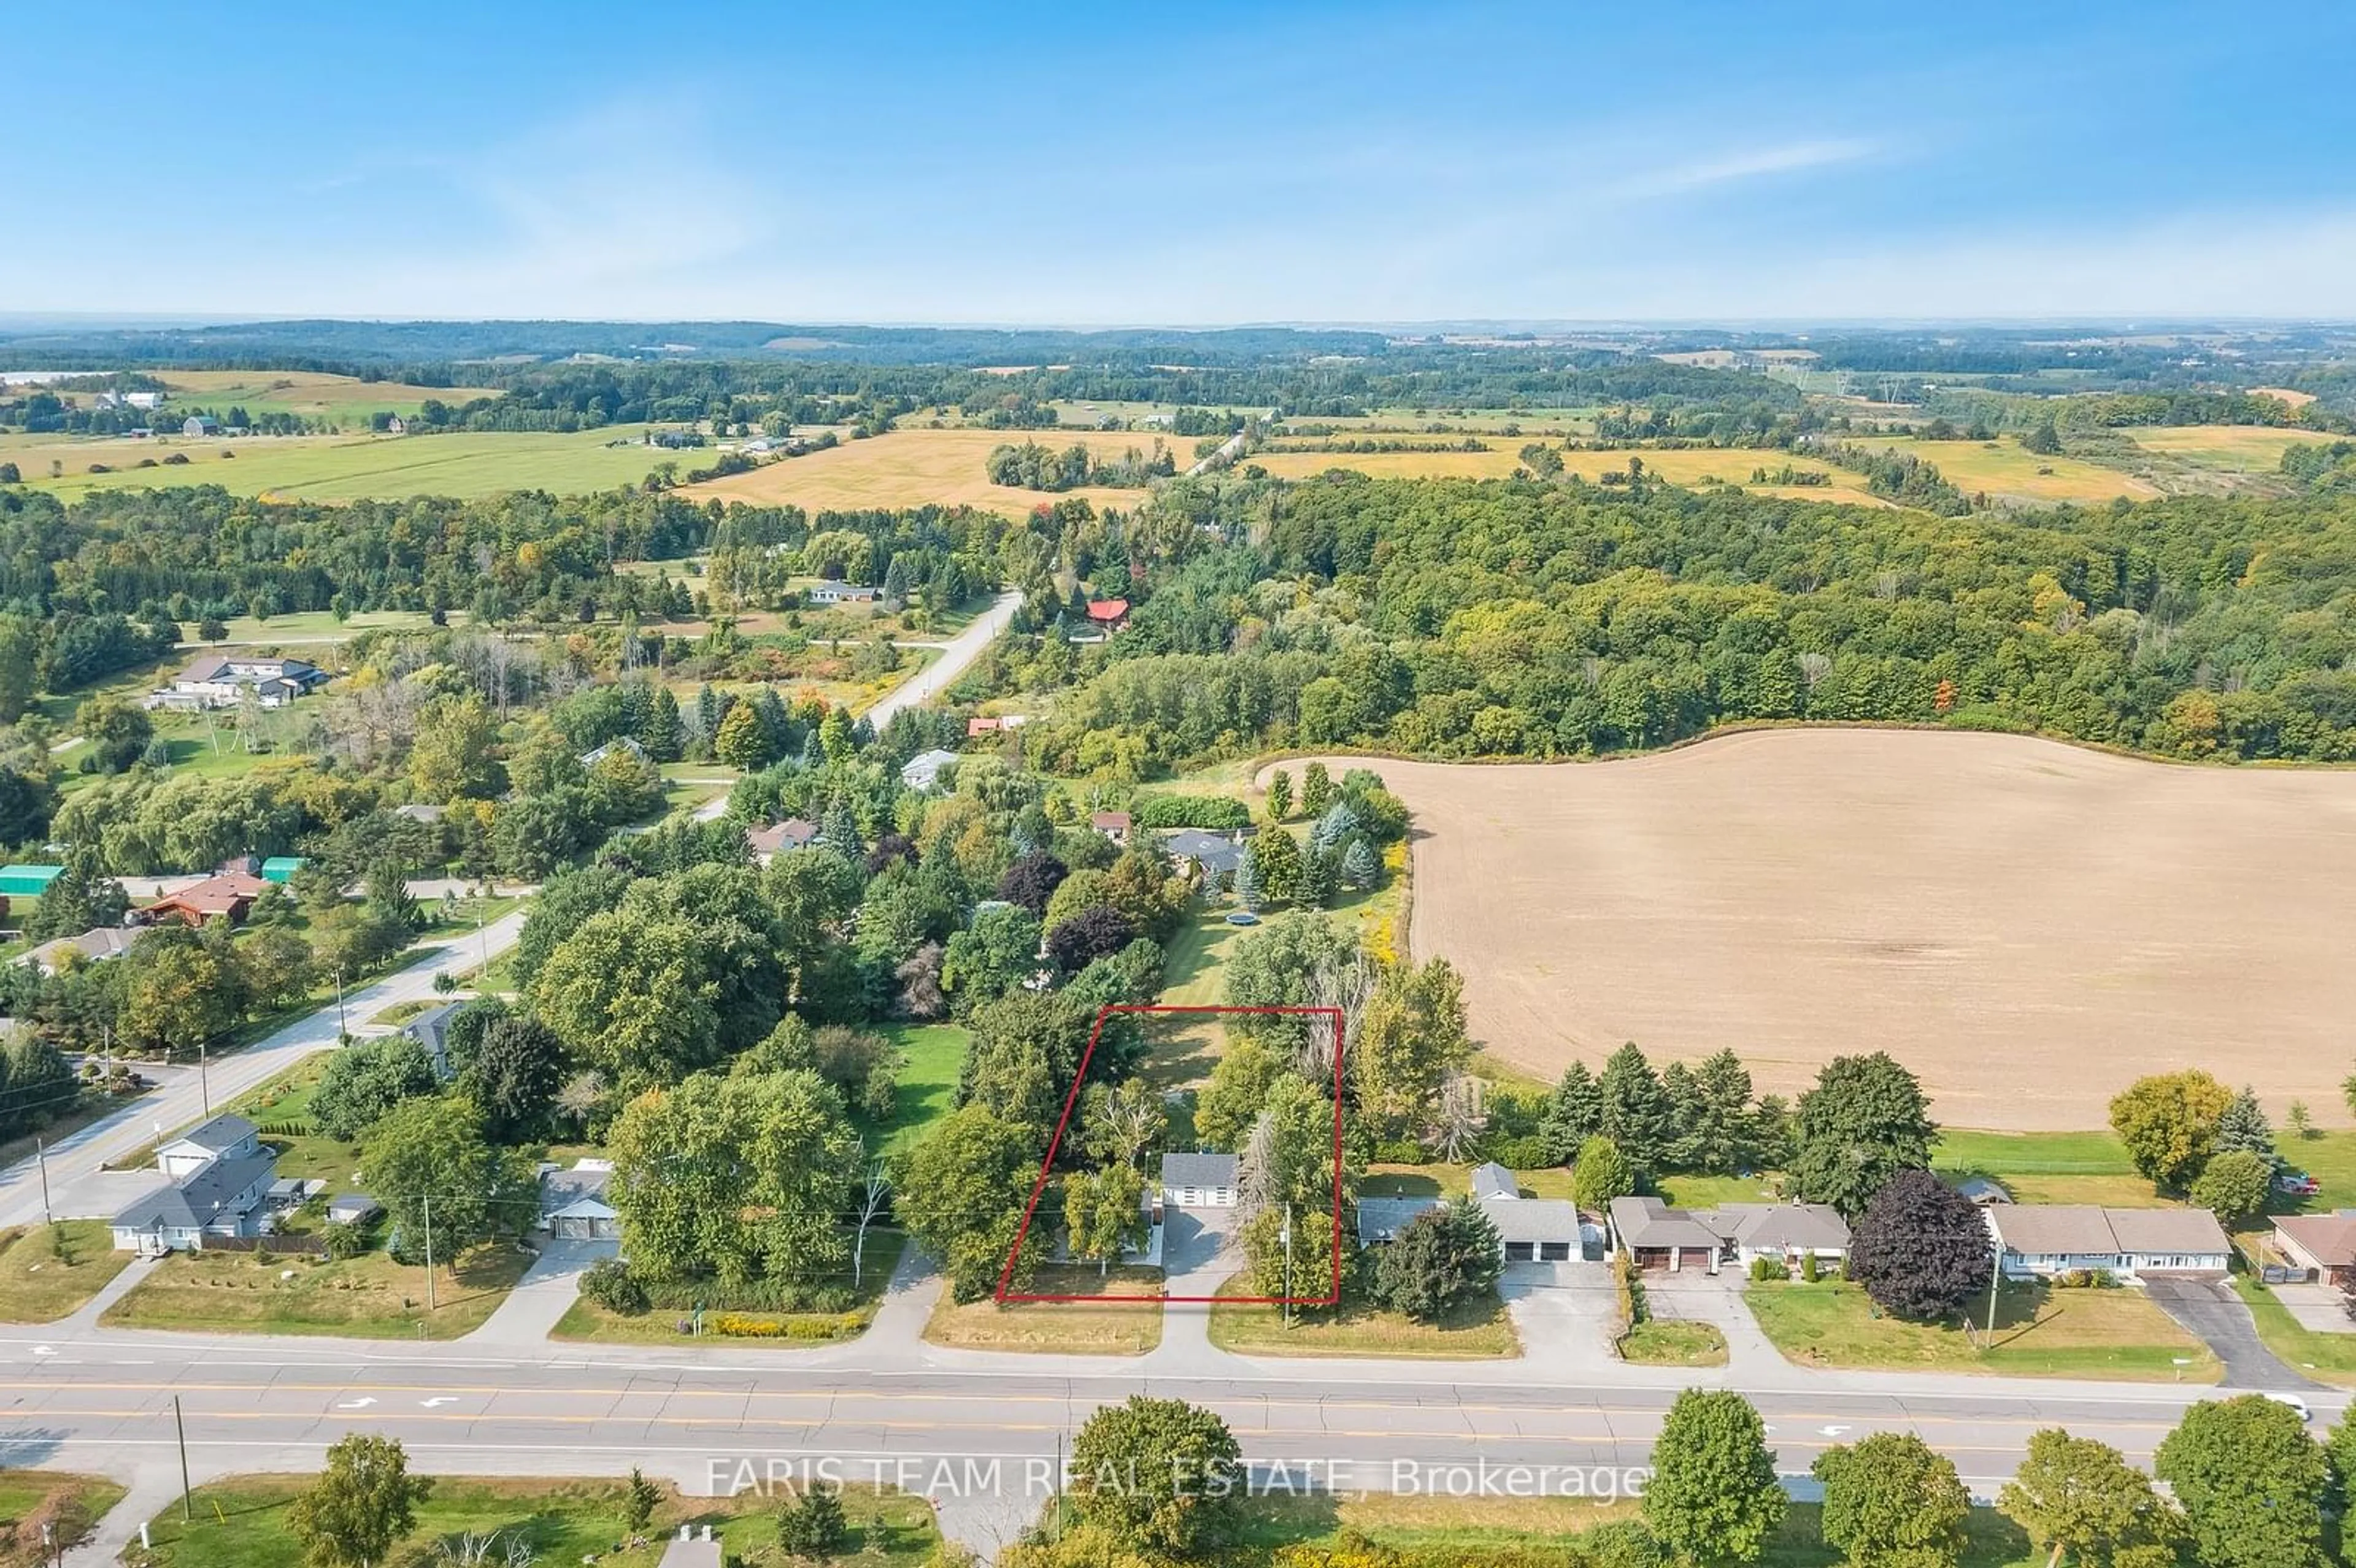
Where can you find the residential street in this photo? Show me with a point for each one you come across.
(79, 1188)
(960, 651)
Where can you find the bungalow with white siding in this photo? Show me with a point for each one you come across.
(2040, 1241)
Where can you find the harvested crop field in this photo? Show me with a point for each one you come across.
(2027, 926)
(1678, 466)
(921, 467)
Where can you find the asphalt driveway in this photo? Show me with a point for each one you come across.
(2210, 1311)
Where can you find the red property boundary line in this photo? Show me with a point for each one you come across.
(1332, 1296)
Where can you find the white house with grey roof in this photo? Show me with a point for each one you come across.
(924, 771)
(2037, 1241)
(225, 1137)
(574, 1204)
(1198, 1180)
(217, 1182)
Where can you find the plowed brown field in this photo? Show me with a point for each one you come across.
(2027, 926)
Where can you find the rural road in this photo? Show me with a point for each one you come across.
(89, 1399)
(79, 1188)
(960, 651)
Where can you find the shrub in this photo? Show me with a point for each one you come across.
(1520, 1152)
(346, 1240)
(813, 1525)
(1808, 1267)
(1764, 1269)
(609, 1284)
(1217, 813)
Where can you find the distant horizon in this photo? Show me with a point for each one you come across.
(1380, 162)
(110, 320)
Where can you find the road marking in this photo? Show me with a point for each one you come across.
(361, 1403)
(1832, 1430)
(438, 1400)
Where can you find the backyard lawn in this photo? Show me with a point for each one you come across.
(48, 1271)
(2329, 1358)
(241, 1522)
(369, 1296)
(1058, 1328)
(2039, 1332)
(932, 1055)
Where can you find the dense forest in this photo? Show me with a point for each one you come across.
(1512, 618)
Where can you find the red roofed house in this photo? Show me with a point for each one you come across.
(232, 893)
(1112, 615)
(980, 727)
(1113, 824)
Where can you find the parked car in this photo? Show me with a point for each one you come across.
(2297, 1184)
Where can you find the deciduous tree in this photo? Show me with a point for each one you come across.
(2251, 1482)
(1890, 1502)
(1921, 1248)
(363, 1503)
(1160, 1476)
(2080, 1501)
(1714, 1497)
(2168, 1122)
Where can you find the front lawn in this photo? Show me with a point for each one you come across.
(1058, 1328)
(48, 1270)
(674, 1324)
(1481, 1331)
(369, 1296)
(2039, 1332)
(241, 1522)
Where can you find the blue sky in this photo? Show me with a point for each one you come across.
(1185, 165)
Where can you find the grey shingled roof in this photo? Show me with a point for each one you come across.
(1198, 1170)
(1494, 1181)
(1381, 1219)
(1534, 1219)
(1816, 1226)
(195, 1202)
(1649, 1223)
(224, 1131)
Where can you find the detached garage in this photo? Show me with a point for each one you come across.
(1198, 1180)
(573, 1204)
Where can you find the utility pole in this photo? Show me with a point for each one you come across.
(41, 1158)
(1996, 1277)
(204, 1080)
(341, 1028)
(187, 1503)
(429, 1253)
(1286, 1307)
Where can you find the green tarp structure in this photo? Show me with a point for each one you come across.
(278, 868)
(28, 882)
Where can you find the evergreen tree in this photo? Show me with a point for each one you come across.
(1280, 795)
(1635, 1109)
(664, 736)
(1316, 790)
(1573, 1115)
(1359, 867)
(838, 831)
(2245, 1126)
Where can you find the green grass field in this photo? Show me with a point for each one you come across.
(242, 1523)
(351, 467)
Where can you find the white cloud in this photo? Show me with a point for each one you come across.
(1792, 157)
